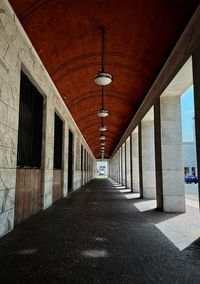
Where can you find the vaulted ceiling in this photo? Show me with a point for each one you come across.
(140, 34)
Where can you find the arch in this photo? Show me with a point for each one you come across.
(107, 134)
(120, 65)
(95, 123)
(118, 114)
(83, 98)
(91, 54)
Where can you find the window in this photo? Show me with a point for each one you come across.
(58, 138)
(186, 170)
(30, 125)
(193, 171)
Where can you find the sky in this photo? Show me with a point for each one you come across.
(187, 113)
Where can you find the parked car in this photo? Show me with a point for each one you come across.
(190, 179)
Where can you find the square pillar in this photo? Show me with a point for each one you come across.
(119, 166)
(123, 166)
(135, 161)
(131, 162)
(128, 169)
(196, 80)
(169, 155)
(140, 159)
(148, 159)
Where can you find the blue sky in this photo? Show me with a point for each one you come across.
(187, 112)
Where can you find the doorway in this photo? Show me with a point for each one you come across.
(57, 167)
(70, 161)
(29, 175)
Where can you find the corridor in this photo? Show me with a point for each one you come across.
(96, 235)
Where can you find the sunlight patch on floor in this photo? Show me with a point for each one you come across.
(192, 203)
(146, 205)
(26, 251)
(125, 190)
(98, 239)
(182, 230)
(120, 187)
(95, 253)
(132, 195)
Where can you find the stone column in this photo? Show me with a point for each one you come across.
(148, 158)
(114, 167)
(140, 159)
(169, 155)
(119, 165)
(123, 165)
(196, 80)
(131, 162)
(135, 161)
(128, 170)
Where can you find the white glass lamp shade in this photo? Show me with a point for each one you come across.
(102, 113)
(103, 79)
(102, 128)
(102, 137)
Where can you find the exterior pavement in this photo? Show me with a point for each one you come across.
(96, 235)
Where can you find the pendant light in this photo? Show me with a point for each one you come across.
(102, 78)
(102, 137)
(102, 112)
(102, 127)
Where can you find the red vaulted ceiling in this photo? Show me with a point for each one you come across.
(140, 35)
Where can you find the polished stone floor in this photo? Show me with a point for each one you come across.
(97, 235)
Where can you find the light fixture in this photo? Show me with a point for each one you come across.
(102, 147)
(102, 127)
(102, 78)
(102, 143)
(102, 137)
(102, 112)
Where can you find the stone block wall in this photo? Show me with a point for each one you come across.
(16, 54)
